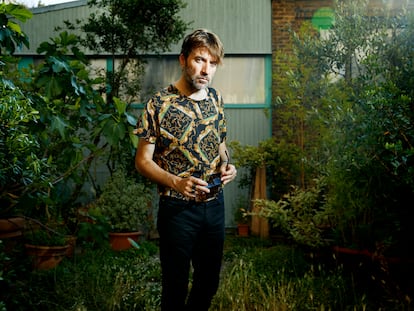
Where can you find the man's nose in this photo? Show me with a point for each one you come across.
(206, 69)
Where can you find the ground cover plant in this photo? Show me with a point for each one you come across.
(257, 275)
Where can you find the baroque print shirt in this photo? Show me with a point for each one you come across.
(186, 133)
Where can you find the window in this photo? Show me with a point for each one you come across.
(241, 79)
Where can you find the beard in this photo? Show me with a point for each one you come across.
(196, 82)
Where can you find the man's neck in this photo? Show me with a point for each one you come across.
(196, 94)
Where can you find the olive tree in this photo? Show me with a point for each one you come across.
(347, 101)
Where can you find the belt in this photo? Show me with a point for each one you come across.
(207, 197)
(214, 184)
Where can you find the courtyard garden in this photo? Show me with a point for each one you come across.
(339, 171)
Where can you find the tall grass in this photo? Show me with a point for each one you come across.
(279, 279)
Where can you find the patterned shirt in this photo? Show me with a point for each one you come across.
(186, 133)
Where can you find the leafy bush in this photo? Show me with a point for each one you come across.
(94, 232)
(23, 170)
(46, 237)
(125, 202)
(344, 106)
(282, 162)
(301, 214)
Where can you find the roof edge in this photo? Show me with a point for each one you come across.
(60, 6)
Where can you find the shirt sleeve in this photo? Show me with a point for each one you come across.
(147, 127)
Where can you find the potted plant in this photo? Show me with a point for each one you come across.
(52, 118)
(11, 227)
(241, 219)
(126, 203)
(47, 245)
(24, 173)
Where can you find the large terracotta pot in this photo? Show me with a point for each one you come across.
(46, 257)
(11, 227)
(119, 240)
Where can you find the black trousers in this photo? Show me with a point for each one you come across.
(190, 233)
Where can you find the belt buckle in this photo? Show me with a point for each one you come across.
(206, 197)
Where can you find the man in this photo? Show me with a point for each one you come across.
(182, 148)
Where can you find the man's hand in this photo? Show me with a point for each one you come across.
(228, 173)
(190, 186)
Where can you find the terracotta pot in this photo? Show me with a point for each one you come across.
(243, 230)
(119, 240)
(46, 257)
(352, 251)
(372, 255)
(11, 227)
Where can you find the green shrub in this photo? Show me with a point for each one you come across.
(302, 214)
(45, 237)
(125, 202)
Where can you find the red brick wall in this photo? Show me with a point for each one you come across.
(289, 14)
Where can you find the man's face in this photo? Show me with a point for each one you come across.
(199, 68)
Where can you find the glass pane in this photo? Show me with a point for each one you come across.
(241, 80)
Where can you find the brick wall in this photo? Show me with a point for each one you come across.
(289, 14)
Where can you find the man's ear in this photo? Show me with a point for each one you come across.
(181, 58)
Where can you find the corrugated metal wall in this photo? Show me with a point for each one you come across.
(245, 29)
(247, 126)
(244, 25)
(42, 25)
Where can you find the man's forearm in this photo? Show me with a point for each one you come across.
(152, 171)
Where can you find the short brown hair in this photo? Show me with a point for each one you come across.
(203, 38)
